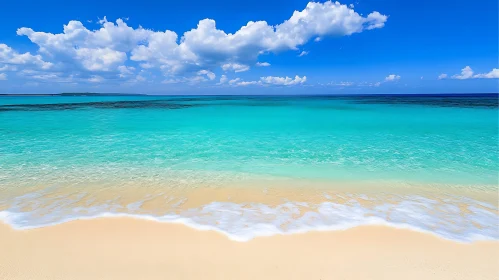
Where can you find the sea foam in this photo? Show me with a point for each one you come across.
(245, 221)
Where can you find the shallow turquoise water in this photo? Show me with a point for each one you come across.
(338, 138)
(67, 158)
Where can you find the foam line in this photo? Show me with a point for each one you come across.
(242, 223)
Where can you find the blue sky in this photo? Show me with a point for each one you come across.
(370, 46)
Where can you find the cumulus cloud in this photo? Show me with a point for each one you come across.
(3, 76)
(285, 81)
(236, 67)
(493, 74)
(194, 79)
(467, 73)
(234, 81)
(201, 76)
(208, 46)
(83, 53)
(442, 76)
(243, 83)
(125, 71)
(104, 59)
(107, 51)
(237, 82)
(223, 80)
(9, 58)
(392, 77)
(266, 81)
(263, 64)
(208, 74)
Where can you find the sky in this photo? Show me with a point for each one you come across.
(249, 47)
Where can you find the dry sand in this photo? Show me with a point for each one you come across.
(124, 248)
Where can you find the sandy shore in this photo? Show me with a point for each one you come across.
(138, 249)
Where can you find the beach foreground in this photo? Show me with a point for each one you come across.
(125, 248)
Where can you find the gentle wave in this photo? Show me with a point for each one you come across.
(245, 221)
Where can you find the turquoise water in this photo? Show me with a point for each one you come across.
(67, 158)
(338, 138)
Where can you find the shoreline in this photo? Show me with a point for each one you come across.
(264, 208)
(126, 248)
(183, 222)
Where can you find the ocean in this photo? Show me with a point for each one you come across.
(250, 166)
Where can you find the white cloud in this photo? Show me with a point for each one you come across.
(195, 79)
(377, 20)
(3, 76)
(248, 83)
(318, 39)
(263, 64)
(202, 76)
(223, 80)
(392, 77)
(468, 73)
(267, 81)
(104, 59)
(285, 81)
(234, 81)
(493, 74)
(442, 76)
(125, 71)
(237, 82)
(11, 58)
(78, 49)
(104, 52)
(209, 74)
(303, 53)
(377, 84)
(322, 19)
(236, 67)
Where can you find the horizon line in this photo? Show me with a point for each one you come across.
(95, 94)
